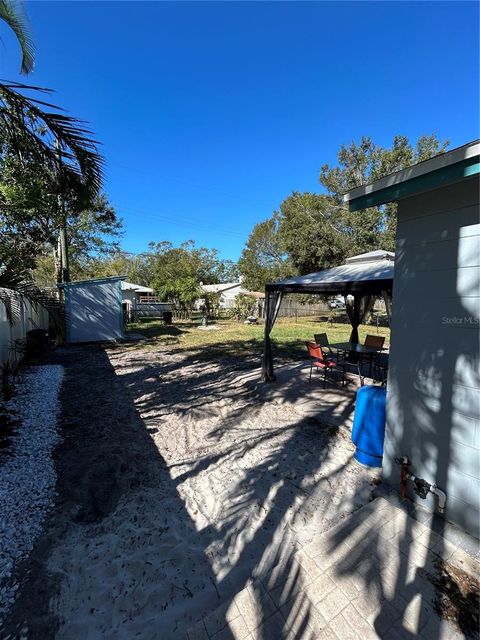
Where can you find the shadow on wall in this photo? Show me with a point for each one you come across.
(433, 409)
(434, 406)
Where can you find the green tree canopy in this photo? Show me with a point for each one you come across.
(178, 272)
(265, 258)
(314, 231)
(34, 205)
(362, 163)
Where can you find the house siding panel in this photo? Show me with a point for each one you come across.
(433, 408)
(94, 311)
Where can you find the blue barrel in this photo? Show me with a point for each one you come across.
(368, 430)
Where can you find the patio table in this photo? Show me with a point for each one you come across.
(361, 349)
(356, 348)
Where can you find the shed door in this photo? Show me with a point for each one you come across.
(94, 312)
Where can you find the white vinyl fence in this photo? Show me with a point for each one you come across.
(25, 316)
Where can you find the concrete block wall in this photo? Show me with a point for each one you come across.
(433, 414)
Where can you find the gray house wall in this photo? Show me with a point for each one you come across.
(433, 409)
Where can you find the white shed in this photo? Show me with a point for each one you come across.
(93, 310)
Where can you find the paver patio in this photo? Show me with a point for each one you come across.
(368, 577)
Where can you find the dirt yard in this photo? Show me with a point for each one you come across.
(178, 489)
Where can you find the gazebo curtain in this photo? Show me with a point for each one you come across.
(272, 305)
(357, 309)
(387, 298)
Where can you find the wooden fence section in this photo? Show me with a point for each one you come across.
(24, 317)
(291, 308)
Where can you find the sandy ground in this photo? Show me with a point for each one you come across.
(179, 486)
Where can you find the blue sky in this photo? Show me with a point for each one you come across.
(210, 114)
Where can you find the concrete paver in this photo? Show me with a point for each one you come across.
(385, 593)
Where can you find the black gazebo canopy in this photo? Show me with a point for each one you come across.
(360, 279)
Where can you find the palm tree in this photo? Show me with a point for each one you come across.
(16, 19)
(32, 127)
(57, 139)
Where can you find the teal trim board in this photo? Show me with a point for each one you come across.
(435, 179)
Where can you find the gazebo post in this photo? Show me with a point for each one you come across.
(272, 306)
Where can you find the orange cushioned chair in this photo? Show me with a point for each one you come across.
(318, 360)
(376, 342)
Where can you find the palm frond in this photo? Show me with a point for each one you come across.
(13, 14)
(55, 136)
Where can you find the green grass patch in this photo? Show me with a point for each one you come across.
(234, 338)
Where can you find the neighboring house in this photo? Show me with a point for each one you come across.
(433, 401)
(93, 310)
(131, 297)
(139, 301)
(133, 292)
(227, 291)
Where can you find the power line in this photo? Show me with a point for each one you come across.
(180, 221)
(146, 254)
(194, 185)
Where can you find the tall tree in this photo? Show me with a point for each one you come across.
(34, 205)
(365, 162)
(179, 272)
(44, 154)
(313, 231)
(265, 258)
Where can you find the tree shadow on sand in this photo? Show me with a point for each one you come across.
(189, 502)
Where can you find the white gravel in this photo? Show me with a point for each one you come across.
(27, 473)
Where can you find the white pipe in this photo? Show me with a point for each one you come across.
(442, 497)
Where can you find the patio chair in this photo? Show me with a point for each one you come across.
(352, 359)
(380, 369)
(322, 340)
(320, 362)
(376, 342)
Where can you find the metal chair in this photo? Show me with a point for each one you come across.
(375, 342)
(322, 340)
(380, 369)
(320, 362)
(352, 359)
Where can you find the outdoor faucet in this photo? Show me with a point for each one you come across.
(421, 487)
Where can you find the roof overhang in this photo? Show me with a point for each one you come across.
(440, 171)
(138, 288)
(76, 283)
